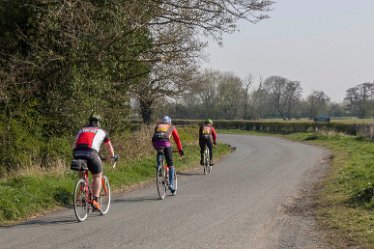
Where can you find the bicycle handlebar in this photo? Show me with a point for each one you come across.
(113, 161)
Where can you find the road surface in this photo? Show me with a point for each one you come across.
(252, 199)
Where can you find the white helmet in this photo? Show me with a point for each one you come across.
(166, 120)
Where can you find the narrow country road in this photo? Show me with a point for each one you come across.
(247, 202)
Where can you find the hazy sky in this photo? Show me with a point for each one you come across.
(325, 44)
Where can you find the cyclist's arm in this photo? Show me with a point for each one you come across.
(109, 148)
(177, 139)
(200, 131)
(214, 134)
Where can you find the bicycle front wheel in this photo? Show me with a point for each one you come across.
(160, 182)
(105, 196)
(81, 204)
(208, 165)
(206, 161)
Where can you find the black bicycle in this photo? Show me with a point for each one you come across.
(162, 176)
(206, 160)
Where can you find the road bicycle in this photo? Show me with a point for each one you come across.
(162, 176)
(83, 196)
(207, 167)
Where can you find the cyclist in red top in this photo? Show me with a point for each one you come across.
(87, 147)
(161, 141)
(207, 136)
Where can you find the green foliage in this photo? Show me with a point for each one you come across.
(56, 148)
(346, 203)
(57, 65)
(364, 129)
(23, 196)
(18, 147)
(188, 134)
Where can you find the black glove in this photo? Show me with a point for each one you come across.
(115, 158)
(215, 143)
(181, 153)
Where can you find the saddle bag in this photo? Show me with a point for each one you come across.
(78, 165)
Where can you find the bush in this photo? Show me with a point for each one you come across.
(54, 150)
(18, 147)
(287, 127)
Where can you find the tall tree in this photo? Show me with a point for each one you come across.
(248, 83)
(175, 29)
(276, 88)
(293, 94)
(230, 96)
(318, 102)
(283, 94)
(359, 100)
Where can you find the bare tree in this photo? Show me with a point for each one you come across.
(259, 97)
(276, 88)
(207, 92)
(283, 94)
(318, 102)
(162, 86)
(293, 94)
(359, 100)
(248, 83)
(230, 95)
(209, 16)
(176, 25)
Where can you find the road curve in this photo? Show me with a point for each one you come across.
(242, 204)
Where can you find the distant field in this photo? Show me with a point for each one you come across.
(333, 120)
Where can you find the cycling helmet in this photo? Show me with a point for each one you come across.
(95, 117)
(209, 121)
(166, 120)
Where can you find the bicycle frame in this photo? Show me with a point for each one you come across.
(83, 196)
(87, 188)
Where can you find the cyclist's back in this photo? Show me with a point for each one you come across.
(207, 137)
(161, 141)
(87, 147)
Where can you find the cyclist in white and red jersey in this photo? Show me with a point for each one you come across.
(87, 147)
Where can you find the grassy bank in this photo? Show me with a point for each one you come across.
(345, 204)
(30, 193)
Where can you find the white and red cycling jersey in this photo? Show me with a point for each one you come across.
(91, 138)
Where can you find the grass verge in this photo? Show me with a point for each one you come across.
(34, 193)
(345, 204)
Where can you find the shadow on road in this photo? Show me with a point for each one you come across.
(137, 199)
(52, 221)
(190, 173)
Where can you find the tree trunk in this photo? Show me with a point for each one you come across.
(146, 111)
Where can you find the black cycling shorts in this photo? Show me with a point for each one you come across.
(92, 157)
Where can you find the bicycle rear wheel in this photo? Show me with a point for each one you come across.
(206, 161)
(81, 205)
(160, 181)
(105, 196)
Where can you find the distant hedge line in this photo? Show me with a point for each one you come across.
(286, 127)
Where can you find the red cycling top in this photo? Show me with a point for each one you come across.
(91, 138)
(208, 130)
(162, 135)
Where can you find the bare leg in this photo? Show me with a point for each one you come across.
(96, 184)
